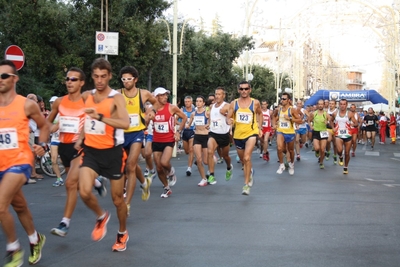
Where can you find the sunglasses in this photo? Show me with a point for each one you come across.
(72, 79)
(283, 98)
(128, 79)
(246, 88)
(5, 76)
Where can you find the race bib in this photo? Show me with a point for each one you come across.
(265, 124)
(55, 137)
(69, 124)
(133, 120)
(161, 127)
(284, 125)
(244, 117)
(215, 124)
(343, 132)
(324, 134)
(94, 127)
(199, 120)
(370, 123)
(8, 138)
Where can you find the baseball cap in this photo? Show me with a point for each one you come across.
(160, 91)
(52, 99)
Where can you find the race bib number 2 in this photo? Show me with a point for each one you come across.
(95, 127)
(8, 138)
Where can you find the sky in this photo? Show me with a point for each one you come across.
(349, 44)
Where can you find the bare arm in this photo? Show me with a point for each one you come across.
(229, 116)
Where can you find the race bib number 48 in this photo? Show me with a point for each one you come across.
(8, 138)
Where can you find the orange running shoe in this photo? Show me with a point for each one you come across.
(120, 243)
(100, 229)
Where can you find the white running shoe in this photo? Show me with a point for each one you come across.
(281, 169)
(172, 177)
(203, 182)
(291, 168)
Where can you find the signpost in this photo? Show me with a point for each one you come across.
(16, 55)
(107, 43)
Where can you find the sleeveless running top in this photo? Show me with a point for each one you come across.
(135, 109)
(319, 121)
(218, 123)
(285, 126)
(342, 126)
(14, 135)
(98, 134)
(71, 119)
(164, 126)
(266, 119)
(200, 119)
(245, 123)
(188, 114)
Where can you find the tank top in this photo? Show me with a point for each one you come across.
(245, 123)
(188, 114)
(98, 134)
(285, 126)
(200, 119)
(304, 124)
(71, 119)
(135, 109)
(218, 123)
(164, 126)
(342, 126)
(266, 119)
(319, 121)
(14, 135)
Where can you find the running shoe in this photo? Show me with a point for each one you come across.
(246, 190)
(334, 159)
(372, 147)
(100, 228)
(120, 243)
(261, 155)
(327, 155)
(291, 168)
(228, 174)
(345, 170)
(266, 156)
(60, 230)
(301, 145)
(306, 144)
(321, 166)
(172, 177)
(316, 154)
(189, 171)
(281, 169)
(341, 161)
(211, 180)
(220, 161)
(14, 258)
(298, 158)
(102, 190)
(58, 182)
(151, 175)
(36, 249)
(128, 209)
(237, 159)
(146, 172)
(203, 182)
(146, 189)
(31, 181)
(166, 192)
(251, 181)
(353, 154)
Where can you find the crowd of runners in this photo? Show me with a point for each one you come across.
(101, 133)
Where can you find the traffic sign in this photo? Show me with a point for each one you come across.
(16, 55)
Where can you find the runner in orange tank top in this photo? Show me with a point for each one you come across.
(16, 163)
(102, 150)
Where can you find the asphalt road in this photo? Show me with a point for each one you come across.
(314, 218)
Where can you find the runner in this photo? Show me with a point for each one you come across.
(16, 164)
(69, 110)
(54, 143)
(344, 120)
(354, 130)
(318, 121)
(103, 139)
(150, 172)
(283, 120)
(371, 120)
(331, 139)
(245, 112)
(200, 119)
(218, 136)
(392, 126)
(134, 135)
(164, 138)
(300, 129)
(188, 133)
(266, 129)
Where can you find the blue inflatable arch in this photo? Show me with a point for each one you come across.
(351, 96)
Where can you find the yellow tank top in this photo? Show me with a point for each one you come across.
(245, 121)
(135, 109)
(285, 126)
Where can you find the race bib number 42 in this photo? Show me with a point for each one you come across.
(161, 127)
(8, 138)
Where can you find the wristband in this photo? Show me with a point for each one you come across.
(44, 146)
(100, 117)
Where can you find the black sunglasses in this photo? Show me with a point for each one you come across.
(284, 99)
(5, 76)
(72, 79)
(246, 88)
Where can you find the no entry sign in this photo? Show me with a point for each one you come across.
(16, 55)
